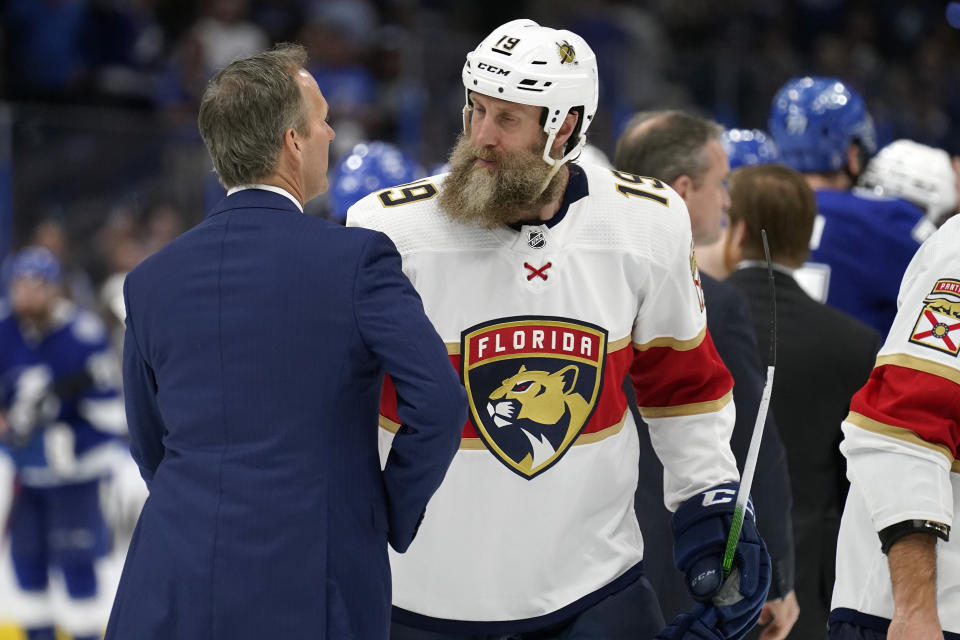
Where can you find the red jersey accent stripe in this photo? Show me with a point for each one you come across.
(916, 400)
(665, 377)
(610, 406)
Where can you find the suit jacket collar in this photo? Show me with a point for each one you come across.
(751, 274)
(254, 199)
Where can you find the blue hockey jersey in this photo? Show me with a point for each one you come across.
(79, 389)
(860, 247)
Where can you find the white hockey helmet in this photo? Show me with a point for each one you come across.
(915, 172)
(525, 63)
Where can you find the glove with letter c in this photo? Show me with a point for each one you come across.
(727, 608)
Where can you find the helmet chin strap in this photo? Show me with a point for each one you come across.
(554, 163)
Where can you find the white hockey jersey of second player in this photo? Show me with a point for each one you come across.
(902, 441)
(544, 322)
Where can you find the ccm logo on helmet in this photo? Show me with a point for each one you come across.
(483, 66)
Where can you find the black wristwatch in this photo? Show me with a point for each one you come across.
(894, 532)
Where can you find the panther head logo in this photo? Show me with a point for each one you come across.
(567, 52)
(543, 408)
(533, 383)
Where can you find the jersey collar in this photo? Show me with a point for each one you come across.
(577, 188)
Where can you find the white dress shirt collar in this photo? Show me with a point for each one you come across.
(267, 187)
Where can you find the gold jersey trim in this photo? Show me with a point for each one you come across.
(899, 433)
(389, 425)
(673, 343)
(921, 364)
(603, 434)
(453, 348)
(477, 444)
(692, 409)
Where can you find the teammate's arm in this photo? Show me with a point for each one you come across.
(913, 575)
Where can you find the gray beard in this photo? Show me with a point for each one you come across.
(509, 193)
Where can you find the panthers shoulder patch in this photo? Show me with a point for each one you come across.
(938, 325)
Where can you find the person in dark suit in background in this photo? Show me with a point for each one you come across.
(823, 357)
(254, 354)
(685, 152)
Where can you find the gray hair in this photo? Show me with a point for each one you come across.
(666, 145)
(246, 110)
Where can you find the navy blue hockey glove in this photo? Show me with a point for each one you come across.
(689, 626)
(728, 607)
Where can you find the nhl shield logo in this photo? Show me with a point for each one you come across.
(532, 384)
(938, 325)
(536, 239)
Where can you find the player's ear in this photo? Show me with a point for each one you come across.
(566, 129)
(682, 185)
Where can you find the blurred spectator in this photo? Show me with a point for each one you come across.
(280, 19)
(126, 50)
(225, 34)
(164, 223)
(336, 37)
(48, 55)
(52, 235)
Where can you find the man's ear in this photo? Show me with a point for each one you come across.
(566, 129)
(733, 244)
(682, 185)
(291, 141)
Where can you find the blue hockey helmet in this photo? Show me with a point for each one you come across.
(368, 167)
(814, 120)
(34, 262)
(747, 147)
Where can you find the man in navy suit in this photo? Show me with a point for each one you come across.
(685, 151)
(255, 349)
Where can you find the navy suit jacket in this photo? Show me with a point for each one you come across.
(728, 320)
(255, 350)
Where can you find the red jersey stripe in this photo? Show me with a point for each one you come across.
(924, 403)
(664, 377)
(611, 404)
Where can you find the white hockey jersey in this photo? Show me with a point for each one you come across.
(534, 520)
(902, 441)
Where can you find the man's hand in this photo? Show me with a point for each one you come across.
(913, 574)
(779, 616)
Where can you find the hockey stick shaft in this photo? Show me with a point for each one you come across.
(750, 465)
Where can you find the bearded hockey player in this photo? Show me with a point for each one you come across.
(898, 570)
(550, 282)
(861, 243)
